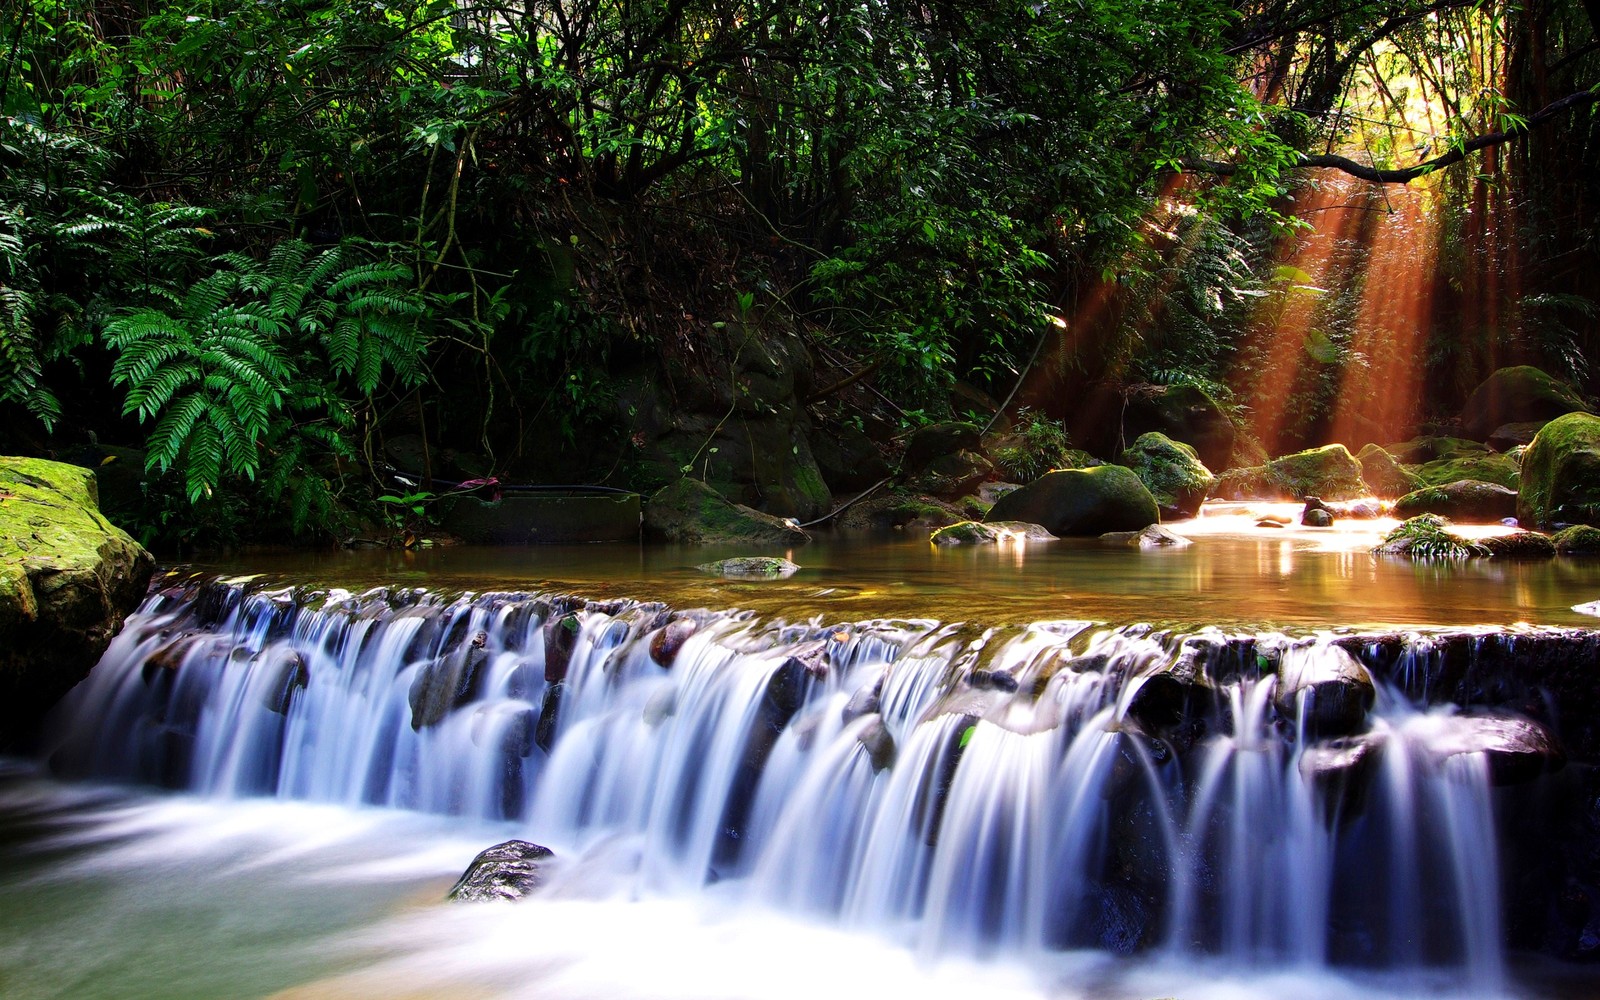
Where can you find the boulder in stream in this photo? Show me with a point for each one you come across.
(1384, 475)
(1154, 536)
(1173, 473)
(990, 533)
(1330, 472)
(1577, 540)
(1561, 474)
(751, 568)
(507, 871)
(1470, 500)
(1081, 502)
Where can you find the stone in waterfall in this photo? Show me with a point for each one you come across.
(669, 640)
(67, 579)
(507, 871)
(1561, 474)
(1517, 749)
(1081, 502)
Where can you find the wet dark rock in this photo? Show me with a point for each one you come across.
(669, 639)
(544, 735)
(1516, 435)
(286, 674)
(848, 460)
(1154, 536)
(1342, 771)
(560, 640)
(1517, 749)
(508, 871)
(1468, 500)
(1081, 502)
(445, 683)
(513, 733)
(1328, 692)
(878, 743)
(952, 476)
(992, 680)
(864, 702)
(1159, 703)
(1316, 517)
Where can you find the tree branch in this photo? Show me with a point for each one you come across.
(1405, 175)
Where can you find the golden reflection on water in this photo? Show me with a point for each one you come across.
(1233, 575)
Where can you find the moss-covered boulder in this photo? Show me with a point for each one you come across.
(901, 510)
(1172, 472)
(1561, 474)
(1519, 545)
(1081, 502)
(1578, 540)
(1469, 500)
(1503, 470)
(1329, 472)
(1419, 450)
(67, 579)
(1384, 475)
(1512, 395)
(989, 533)
(691, 512)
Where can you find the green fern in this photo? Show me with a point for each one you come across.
(256, 368)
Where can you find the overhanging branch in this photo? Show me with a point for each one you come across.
(1405, 175)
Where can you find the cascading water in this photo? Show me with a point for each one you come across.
(1057, 787)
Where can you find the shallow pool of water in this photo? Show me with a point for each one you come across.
(1233, 575)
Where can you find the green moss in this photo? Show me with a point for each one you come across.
(1383, 473)
(1519, 545)
(1578, 540)
(963, 533)
(1485, 468)
(1561, 473)
(1171, 471)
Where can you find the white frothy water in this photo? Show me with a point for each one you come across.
(985, 803)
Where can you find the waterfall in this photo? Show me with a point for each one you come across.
(1058, 786)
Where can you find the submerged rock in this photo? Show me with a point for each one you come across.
(507, 871)
(751, 568)
(1561, 474)
(1081, 502)
(1154, 536)
(990, 533)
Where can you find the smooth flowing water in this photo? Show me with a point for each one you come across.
(832, 795)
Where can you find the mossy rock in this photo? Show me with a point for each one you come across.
(1513, 395)
(951, 476)
(1329, 472)
(1172, 472)
(1420, 450)
(1578, 540)
(67, 579)
(1384, 475)
(899, 510)
(691, 512)
(1469, 500)
(1081, 502)
(1561, 474)
(989, 533)
(751, 568)
(1501, 470)
(1152, 536)
(1519, 545)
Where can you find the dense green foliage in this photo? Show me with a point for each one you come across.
(252, 235)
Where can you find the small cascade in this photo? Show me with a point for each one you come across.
(1270, 799)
